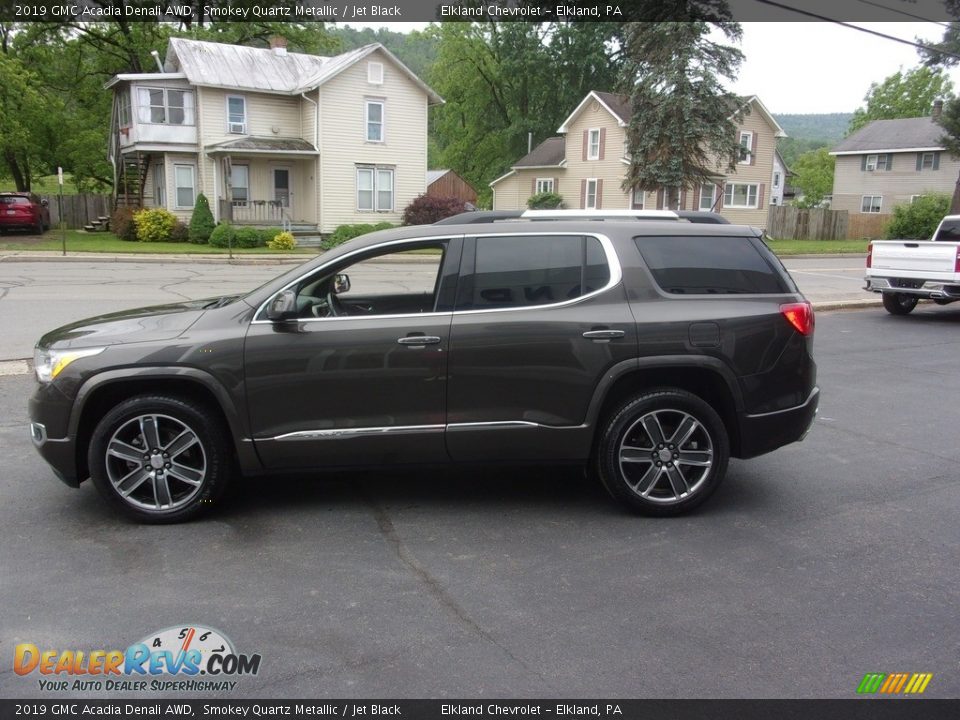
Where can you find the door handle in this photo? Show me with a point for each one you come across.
(603, 334)
(419, 340)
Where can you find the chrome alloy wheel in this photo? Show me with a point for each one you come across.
(156, 462)
(666, 456)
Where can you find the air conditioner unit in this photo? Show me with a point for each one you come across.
(240, 128)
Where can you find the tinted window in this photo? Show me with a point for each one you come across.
(949, 230)
(534, 270)
(709, 265)
(14, 200)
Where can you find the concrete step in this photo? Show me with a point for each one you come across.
(308, 240)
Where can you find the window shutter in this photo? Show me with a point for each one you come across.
(936, 161)
(599, 202)
(863, 163)
(660, 199)
(533, 185)
(603, 142)
(586, 139)
(919, 161)
(556, 185)
(753, 149)
(889, 161)
(683, 199)
(760, 195)
(583, 192)
(697, 192)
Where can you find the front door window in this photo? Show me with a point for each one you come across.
(281, 186)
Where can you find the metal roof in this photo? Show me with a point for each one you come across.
(252, 143)
(434, 175)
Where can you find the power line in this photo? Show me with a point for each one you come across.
(903, 12)
(919, 46)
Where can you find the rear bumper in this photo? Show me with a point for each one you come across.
(935, 289)
(763, 433)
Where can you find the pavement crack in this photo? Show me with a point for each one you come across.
(166, 288)
(435, 588)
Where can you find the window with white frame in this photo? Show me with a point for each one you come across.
(776, 179)
(746, 146)
(593, 144)
(637, 199)
(544, 185)
(185, 182)
(159, 185)
(240, 184)
(708, 196)
(926, 161)
(374, 120)
(375, 73)
(590, 197)
(876, 162)
(913, 198)
(164, 106)
(124, 116)
(375, 189)
(871, 203)
(740, 195)
(237, 114)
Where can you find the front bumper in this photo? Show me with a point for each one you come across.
(49, 416)
(763, 433)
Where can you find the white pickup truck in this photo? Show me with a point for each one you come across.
(907, 270)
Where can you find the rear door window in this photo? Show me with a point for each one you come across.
(529, 270)
(949, 230)
(717, 265)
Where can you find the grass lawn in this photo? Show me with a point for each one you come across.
(79, 241)
(815, 247)
(44, 185)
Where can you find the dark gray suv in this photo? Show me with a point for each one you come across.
(650, 351)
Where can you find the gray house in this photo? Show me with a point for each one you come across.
(891, 162)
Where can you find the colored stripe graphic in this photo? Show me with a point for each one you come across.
(894, 683)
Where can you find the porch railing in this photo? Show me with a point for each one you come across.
(255, 212)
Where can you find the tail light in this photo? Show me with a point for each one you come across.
(800, 315)
(870, 255)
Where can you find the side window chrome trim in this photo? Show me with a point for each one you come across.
(358, 251)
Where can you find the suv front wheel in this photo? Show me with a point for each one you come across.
(160, 459)
(663, 453)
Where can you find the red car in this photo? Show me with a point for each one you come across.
(23, 211)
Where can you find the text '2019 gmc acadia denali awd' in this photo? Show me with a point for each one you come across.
(651, 350)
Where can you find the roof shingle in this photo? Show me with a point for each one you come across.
(904, 133)
(548, 153)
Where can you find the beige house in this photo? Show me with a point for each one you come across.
(586, 164)
(891, 162)
(272, 137)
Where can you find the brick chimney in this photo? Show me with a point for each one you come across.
(937, 108)
(278, 44)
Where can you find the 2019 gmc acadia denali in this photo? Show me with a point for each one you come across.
(650, 350)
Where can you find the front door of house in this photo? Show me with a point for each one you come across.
(281, 186)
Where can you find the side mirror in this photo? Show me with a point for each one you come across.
(283, 306)
(341, 283)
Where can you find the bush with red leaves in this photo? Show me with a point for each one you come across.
(426, 209)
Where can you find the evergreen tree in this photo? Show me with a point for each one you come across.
(201, 221)
(683, 121)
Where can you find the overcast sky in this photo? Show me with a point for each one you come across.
(814, 67)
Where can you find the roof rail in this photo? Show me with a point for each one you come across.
(490, 216)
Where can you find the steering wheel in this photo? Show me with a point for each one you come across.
(335, 307)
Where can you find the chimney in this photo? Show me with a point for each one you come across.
(278, 44)
(937, 108)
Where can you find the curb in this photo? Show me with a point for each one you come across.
(169, 259)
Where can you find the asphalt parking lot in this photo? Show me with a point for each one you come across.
(810, 567)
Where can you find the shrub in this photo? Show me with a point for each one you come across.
(154, 224)
(247, 237)
(282, 241)
(201, 222)
(545, 201)
(180, 232)
(121, 224)
(348, 232)
(223, 236)
(919, 219)
(426, 209)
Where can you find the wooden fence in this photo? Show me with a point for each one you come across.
(78, 210)
(871, 226)
(790, 223)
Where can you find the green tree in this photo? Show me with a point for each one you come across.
(946, 54)
(903, 95)
(201, 221)
(683, 121)
(22, 114)
(813, 176)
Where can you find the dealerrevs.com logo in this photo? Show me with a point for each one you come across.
(186, 658)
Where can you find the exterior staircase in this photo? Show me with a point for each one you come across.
(133, 178)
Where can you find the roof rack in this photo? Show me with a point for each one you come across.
(490, 216)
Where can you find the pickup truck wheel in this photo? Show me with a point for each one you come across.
(663, 453)
(160, 459)
(899, 303)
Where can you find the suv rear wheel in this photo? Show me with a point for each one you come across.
(159, 459)
(663, 453)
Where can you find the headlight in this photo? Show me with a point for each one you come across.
(48, 363)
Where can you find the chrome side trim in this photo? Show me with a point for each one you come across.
(496, 424)
(613, 262)
(335, 433)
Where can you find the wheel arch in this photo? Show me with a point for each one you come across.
(105, 390)
(707, 378)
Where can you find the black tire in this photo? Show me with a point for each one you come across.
(166, 489)
(641, 483)
(899, 303)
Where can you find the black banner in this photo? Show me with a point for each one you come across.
(854, 709)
